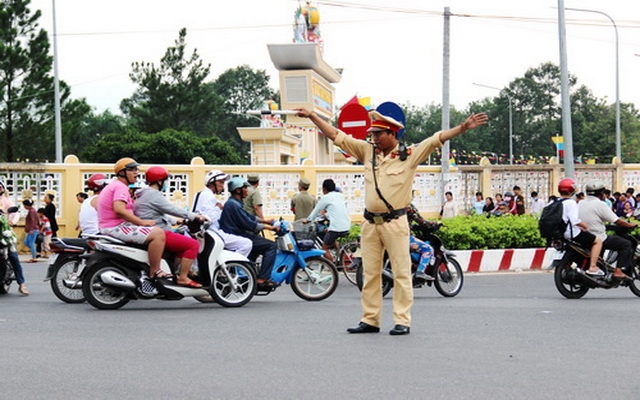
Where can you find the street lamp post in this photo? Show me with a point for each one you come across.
(510, 118)
(56, 90)
(615, 27)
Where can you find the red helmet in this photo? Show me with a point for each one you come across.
(155, 174)
(96, 182)
(567, 185)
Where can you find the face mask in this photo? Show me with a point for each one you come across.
(164, 186)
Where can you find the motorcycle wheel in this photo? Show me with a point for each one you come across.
(565, 283)
(99, 295)
(387, 283)
(347, 259)
(449, 278)
(67, 268)
(244, 278)
(5, 276)
(634, 285)
(317, 281)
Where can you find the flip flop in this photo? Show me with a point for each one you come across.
(190, 284)
(33, 260)
(160, 274)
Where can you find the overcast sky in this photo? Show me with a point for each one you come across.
(390, 50)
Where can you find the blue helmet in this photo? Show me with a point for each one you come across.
(236, 183)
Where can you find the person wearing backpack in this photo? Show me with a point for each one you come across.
(577, 230)
(594, 212)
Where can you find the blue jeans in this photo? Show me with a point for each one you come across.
(30, 242)
(425, 250)
(17, 267)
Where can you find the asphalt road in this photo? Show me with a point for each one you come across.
(506, 336)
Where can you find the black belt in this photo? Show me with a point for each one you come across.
(380, 218)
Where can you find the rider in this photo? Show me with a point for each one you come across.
(12, 219)
(151, 204)
(595, 213)
(576, 229)
(418, 223)
(237, 221)
(116, 217)
(88, 218)
(336, 211)
(208, 204)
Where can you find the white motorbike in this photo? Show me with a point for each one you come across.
(117, 272)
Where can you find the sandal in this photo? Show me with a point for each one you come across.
(266, 283)
(160, 274)
(32, 260)
(190, 284)
(22, 289)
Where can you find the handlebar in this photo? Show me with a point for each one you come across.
(272, 112)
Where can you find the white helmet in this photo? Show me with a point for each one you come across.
(215, 175)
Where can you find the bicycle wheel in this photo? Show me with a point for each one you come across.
(346, 260)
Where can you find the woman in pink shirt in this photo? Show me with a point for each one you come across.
(116, 217)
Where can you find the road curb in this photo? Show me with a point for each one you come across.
(504, 259)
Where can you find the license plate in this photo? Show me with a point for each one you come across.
(52, 258)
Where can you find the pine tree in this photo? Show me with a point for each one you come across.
(26, 85)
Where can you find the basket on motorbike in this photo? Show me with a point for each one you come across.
(305, 234)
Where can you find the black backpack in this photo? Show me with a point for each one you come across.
(551, 224)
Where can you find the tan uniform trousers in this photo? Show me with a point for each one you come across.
(392, 236)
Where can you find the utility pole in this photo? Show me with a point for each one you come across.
(56, 90)
(445, 99)
(569, 169)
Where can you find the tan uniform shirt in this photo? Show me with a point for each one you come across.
(395, 177)
(302, 204)
(253, 199)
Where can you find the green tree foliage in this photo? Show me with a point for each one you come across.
(26, 88)
(536, 115)
(241, 89)
(173, 94)
(166, 147)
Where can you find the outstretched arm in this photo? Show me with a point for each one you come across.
(472, 122)
(327, 129)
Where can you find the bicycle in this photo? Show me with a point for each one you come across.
(343, 255)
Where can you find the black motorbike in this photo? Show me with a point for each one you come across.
(572, 262)
(444, 268)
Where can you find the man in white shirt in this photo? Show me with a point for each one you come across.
(595, 213)
(208, 204)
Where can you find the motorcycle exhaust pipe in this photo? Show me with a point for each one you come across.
(112, 278)
(72, 283)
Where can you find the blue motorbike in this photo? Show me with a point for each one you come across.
(303, 266)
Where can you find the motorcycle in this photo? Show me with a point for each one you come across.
(572, 260)
(7, 275)
(443, 268)
(299, 263)
(117, 272)
(66, 268)
(6, 271)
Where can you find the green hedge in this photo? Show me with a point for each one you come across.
(477, 232)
